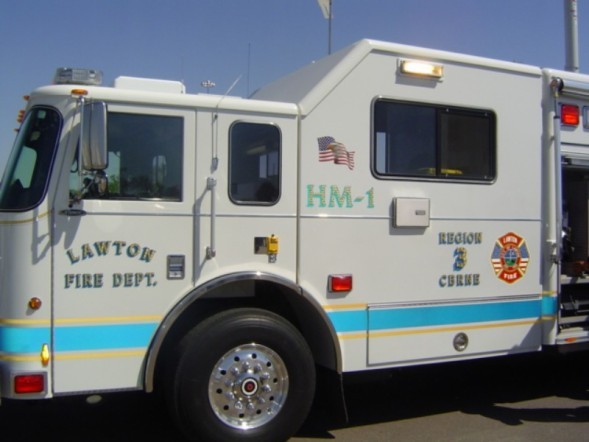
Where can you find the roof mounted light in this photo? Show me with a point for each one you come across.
(419, 68)
(88, 77)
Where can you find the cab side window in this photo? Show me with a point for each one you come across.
(254, 163)
(144, 158)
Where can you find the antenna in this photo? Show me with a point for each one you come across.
(182, 69)
(230, 88)
(249, 57)
(326, 8)
(571, 36)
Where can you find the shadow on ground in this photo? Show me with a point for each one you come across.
(492, 388)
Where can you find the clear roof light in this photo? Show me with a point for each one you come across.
(421, 69)
(89, 77)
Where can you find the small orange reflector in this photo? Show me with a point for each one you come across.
(29, 383)
(570, 114)
(340, 283)
(570, 340)
(21, 116)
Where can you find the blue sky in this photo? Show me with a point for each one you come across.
(260, 40)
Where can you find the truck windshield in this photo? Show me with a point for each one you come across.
(27, 172)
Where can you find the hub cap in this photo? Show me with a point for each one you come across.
(248, 386)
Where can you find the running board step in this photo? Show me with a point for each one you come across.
(579, 319)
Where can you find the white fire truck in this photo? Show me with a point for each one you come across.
(385, 206)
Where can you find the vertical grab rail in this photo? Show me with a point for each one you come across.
(211, 181)
(558, 182)
(557, 86)
(212, 186)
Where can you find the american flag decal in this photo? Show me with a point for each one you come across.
(333, 151)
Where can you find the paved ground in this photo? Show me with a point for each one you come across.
(528, 398)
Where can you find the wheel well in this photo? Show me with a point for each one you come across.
(286, 301)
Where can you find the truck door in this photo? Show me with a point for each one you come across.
(462, 233)
(122, 255)
(255, 161)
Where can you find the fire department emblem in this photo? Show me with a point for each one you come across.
(510, 257)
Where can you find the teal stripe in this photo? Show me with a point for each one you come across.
(428, 316)
(23, 339)
(549, 305)
(349, 321)
(103, 337)
(15, 339)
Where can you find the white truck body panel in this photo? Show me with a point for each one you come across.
(399, 280)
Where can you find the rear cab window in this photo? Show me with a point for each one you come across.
(254, 163)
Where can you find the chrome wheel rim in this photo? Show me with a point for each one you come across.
(248, 386)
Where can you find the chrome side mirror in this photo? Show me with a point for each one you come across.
(93, 139)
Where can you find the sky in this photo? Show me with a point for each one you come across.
(256, 41)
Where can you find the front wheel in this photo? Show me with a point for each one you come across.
(243, 374)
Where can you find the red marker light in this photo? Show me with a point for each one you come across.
(340, 283)
(29, 383)
(569, 114)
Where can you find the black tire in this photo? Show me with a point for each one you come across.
(244, 374)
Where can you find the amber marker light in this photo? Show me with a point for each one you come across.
(21, 116)
(21, 113)
(35, 303)
(45, 355)
(79, 92)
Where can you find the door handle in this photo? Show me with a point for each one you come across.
(73, 212)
